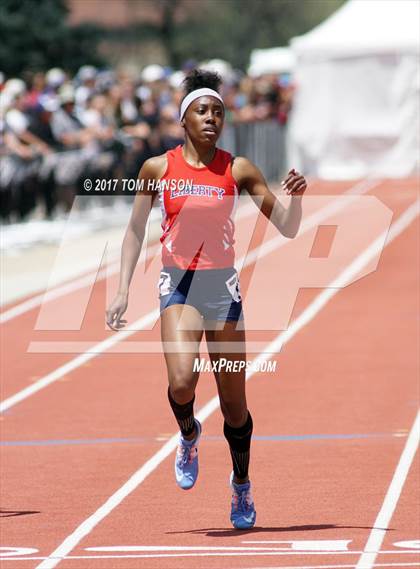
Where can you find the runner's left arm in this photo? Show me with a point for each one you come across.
(250, 178)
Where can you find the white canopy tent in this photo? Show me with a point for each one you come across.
(356, 109)
(271, 60)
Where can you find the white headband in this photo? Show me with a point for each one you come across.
(195, 95)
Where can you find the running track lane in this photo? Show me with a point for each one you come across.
(78, 406)
(325, 474)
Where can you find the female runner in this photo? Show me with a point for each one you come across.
(199, 287)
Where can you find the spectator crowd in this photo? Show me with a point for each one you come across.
(57, 130)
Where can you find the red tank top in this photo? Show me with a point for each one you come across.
(197, 206)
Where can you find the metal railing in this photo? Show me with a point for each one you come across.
(264, 143)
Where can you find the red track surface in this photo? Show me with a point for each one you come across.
(351, 372)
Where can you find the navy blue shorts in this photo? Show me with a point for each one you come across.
(213, 292)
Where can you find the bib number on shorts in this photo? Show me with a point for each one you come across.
(164, 284)
(233, 287)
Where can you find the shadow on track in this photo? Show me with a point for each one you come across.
(229, 532)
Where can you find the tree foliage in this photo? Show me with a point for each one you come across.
(35, 36)
(231, 29)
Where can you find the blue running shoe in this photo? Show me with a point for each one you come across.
(186, 460)
(243, 514)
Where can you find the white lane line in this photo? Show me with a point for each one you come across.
(281, 550)
(216, 554)
(80, 282)
(161, 548)
(77, 361)
(377, 535)
(61, 290)
(52, 294)
(101, 347)
(307, 544)
(308, 314)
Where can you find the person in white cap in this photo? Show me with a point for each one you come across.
(87, 78)
(54, 78)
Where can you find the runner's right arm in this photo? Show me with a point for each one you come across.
(151, 171)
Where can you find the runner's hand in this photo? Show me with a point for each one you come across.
(115, 312)
(294, 184)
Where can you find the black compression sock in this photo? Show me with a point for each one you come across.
(184, 414)
(239, 440)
